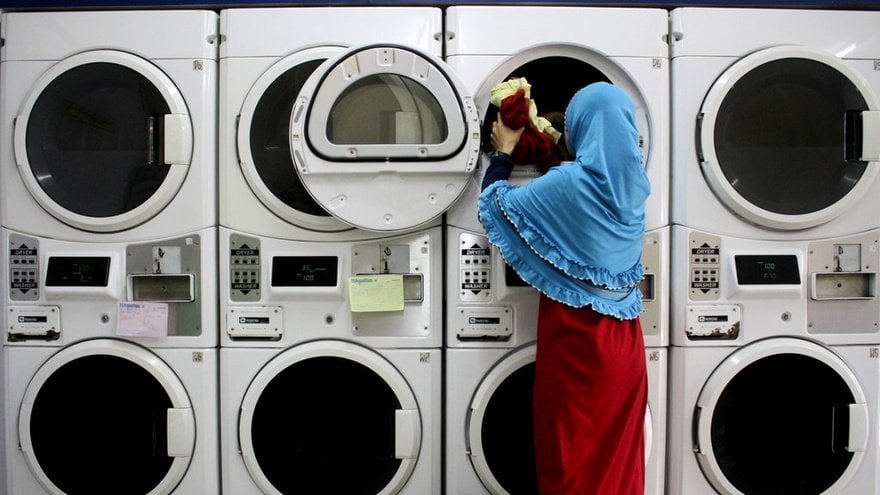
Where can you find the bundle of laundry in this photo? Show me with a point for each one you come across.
(538, 142)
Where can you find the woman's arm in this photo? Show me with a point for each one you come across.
(504, 140)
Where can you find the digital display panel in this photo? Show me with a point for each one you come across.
(304, 271)
(78, 271)
(770, 269)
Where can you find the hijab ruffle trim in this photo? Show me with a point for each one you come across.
(545, 248)
(545, 271)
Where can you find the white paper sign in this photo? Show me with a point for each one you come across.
(142, 319)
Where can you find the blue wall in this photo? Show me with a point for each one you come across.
(58, 4)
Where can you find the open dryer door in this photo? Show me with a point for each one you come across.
(384, 138)
(789, 137)
(104, 141)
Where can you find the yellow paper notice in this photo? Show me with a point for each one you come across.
(370, 293)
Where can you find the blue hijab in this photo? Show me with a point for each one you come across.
(575, 233)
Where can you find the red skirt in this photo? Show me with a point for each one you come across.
(591, 392)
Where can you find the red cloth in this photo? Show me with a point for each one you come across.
(591, 392)
(534, 146)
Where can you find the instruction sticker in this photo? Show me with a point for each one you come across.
(371, 293)
(142, 319)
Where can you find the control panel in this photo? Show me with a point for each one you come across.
(244, 268)
(24, 268)
(475, 268)
(704, 267)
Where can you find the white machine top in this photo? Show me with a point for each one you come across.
(615, 32)
(735, 32)
(156, 34)
(277, 32)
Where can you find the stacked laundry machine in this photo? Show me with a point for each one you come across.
(107, 180)
(774, 371)
(491, 314)
(343, 139)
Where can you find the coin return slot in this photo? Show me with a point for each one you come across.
(646, 285)
(162, 288)
(837, 286)
(413, 288)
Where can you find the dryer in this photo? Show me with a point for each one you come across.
(265, 59)
(108, 130)
(773, 339)
(775, 123)
(331, 246)
(486, 45)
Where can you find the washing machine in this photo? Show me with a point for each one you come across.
(115, 365)
(491, 322)
(489, 435)
(108, 130)
(107, 415)
(331, 246)
(331, 380)
(775, 124)
(560, 50)
(784, 414)
(773, 341)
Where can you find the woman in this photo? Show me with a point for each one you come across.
(575, 234)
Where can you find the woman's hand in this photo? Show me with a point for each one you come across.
(504, 139)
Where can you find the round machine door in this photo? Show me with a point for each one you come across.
(500, 434)
(103, 141)
(329, 417)
(789, 137)
(541, 65)
(384, 138)
(106, 416)
(263, 147)
(782, 415)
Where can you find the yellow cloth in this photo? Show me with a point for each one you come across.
(509, 88)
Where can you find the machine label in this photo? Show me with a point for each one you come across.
(32, 319)
(705, 251)
(712, 318)
(485, 320)
(720, 322)
(253, 320)
(476, 251)
(484, 324)
(254, 323)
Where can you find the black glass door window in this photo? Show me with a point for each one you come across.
(781, 426)
(94, 139)
(270, 140)
(99, 426)
(780, 136)
(550, 92)
(326, 425)
(508, 434)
